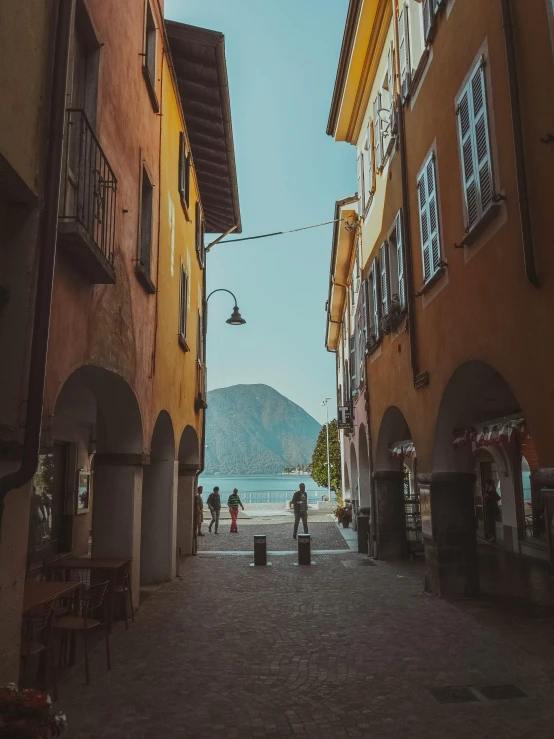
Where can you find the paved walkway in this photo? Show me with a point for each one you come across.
(279, 536)
(342, 649)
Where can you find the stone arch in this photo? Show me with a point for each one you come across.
(354, 477)
(97, 416)
(346, 482)
(394, 427)
(159, 497)
(189, 459)
(364, 468)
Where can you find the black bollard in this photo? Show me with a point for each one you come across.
(260, 550)
(304, 549)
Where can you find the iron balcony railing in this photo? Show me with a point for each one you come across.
(89, 188)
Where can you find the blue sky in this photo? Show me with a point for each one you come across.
(281, 58)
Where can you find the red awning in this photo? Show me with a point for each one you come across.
(402, 450)
(493, 435)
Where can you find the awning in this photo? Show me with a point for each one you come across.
(495, 434)
(402, 450)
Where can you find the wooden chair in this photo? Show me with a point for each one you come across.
(123, 585)
(36, 637)
(87, 603)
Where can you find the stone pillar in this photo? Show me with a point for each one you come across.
(13, 554)
(389, 518)
(159, 522)
(449, 534)
(116, 510)
(188, 480)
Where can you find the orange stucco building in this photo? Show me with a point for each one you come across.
(449, 105)
(135, 167)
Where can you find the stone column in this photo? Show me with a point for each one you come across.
(116, 509)
(389, 518)
(159, 522)
(188, 480)
(449, 534)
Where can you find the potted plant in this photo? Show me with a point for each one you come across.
(344, 515)
(28, 714)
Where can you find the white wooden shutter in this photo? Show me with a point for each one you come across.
(375, 297)
(372, 169)
(384, 276)
(429, 219)
(482, 141)
(353, 385)
(360, 175)
(400, 260)
(360, 344)
(377, 132)
(184, 303)
(369, 174)
(437, 4)
(473, 132)
(404, 51)
(390, 76)
(365, 308)
(182, 163)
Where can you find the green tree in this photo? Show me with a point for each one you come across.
(319, 459)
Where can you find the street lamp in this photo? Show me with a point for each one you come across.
(236, 319)
(326, 404)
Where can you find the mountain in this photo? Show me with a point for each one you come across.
(254, 429)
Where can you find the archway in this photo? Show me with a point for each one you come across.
(97, 431)
(354, 477)
(159, 506)
(477, 448)
(346, 488)
(189, 465)
(396, 494)
(364, 470)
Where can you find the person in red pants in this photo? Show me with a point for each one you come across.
(234, 502)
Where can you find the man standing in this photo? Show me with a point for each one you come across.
(300, 505)
(214, 504)
(234, 502)
(199, 511)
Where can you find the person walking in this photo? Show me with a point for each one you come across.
(300, 505)
(234, 502)
(491, 501)
(214, 504)
(199, 511)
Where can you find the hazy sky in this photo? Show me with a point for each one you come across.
(281, 58)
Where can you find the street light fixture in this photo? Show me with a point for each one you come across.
(236, 319)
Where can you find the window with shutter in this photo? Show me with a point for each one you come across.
(183, 304)
(353, 386)
(404, 51)
(473, 133)
(360, 344)
(400, 261)
(437, 4)
(365, 311)
(384, 277)
(184, 169)
(375, 299)
(428, 12)
(390, 75)
(377, 131)
(360, 175)
(429, 219)
(199, 225)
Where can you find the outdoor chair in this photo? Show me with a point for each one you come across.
(36, 638)
(87, 603)
(123, 586)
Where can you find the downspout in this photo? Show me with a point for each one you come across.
(47, 258)
(519, 149)
(418, 380)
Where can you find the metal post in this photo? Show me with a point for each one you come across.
(260, 551)
(326, 404)
(304, 549)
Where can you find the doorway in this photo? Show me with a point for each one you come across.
(488, 499)
(46, 513)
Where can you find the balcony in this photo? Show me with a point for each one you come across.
(86, 222)
(201, 387)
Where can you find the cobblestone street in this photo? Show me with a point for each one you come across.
(324, 535)
(340, 649)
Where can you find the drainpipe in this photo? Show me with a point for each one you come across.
(418, 380)
(519, 149)
(47, 258)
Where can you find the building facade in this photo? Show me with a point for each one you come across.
(123, 411)
(441, 101)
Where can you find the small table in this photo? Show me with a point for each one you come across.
(110, 566)
(37, 593)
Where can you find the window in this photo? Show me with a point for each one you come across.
(378, 132)
(200, 339)
(360, 175)
(149, 55)
(369, 166)
(473, 133)
(200, 247)
(183, 308)
(353, 385)
(397, 280)
(429, 219)
(384, 271)
(84, 61)
(373, 304)
(361, 341)
(184, 170)
(145, 233)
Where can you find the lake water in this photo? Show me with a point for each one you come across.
(262, 488)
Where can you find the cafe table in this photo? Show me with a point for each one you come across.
(38, 593)
(98, 564)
